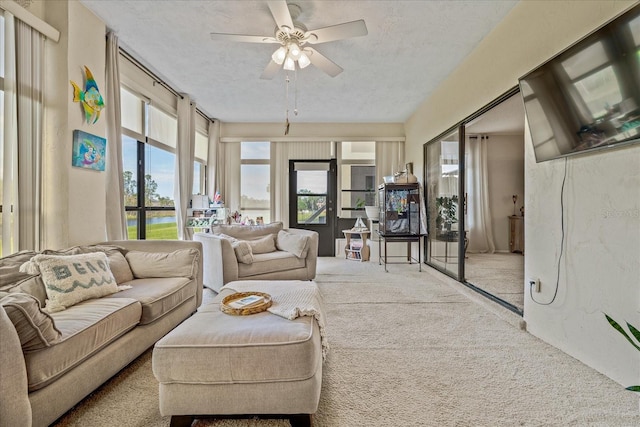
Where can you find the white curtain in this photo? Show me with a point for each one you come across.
(281, 153)
(389, 158)
(478, 209)
(116, 221)
(215, 161)
(185, 149)
(23, 106)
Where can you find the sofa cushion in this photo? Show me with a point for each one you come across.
(71, 279)
(158, 296)
(180, 263)
(10, 269)
(269, 263)
(247, 232)
(296, 244)
(263, 245)
(13, 279)
(86, 328)
(35, 328)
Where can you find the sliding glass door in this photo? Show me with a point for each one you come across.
(445, 242)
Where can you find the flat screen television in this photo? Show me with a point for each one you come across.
(588, 96)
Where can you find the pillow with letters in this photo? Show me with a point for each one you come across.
(71, 279)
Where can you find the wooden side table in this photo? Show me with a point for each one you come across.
(356, 249)
(516, 234)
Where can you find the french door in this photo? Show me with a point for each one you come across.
(312, 200)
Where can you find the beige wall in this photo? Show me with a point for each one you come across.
(601, 260)
(312, 131)
(73, 198)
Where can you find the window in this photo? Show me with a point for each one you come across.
(357, 177)
(149, 168)
(255, 180)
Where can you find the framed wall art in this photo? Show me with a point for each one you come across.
(88, 151)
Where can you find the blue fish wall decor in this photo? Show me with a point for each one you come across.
(90, 97)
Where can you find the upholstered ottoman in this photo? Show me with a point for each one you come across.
(217, 364)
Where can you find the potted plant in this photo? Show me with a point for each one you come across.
(447, 212)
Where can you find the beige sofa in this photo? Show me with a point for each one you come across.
(49, 361)
(276, 253)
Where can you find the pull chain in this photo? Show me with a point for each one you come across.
(295, 86)
(286, 122)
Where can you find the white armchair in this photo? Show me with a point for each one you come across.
(221, 263)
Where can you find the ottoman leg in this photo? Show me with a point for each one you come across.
(300, 420)
(181, 420)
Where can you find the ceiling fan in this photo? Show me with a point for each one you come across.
(294, 38)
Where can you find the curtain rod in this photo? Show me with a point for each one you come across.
(164, 84)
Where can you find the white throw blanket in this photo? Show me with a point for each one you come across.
(290, 299)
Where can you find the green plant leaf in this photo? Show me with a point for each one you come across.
(618, 328)
(634, 331)
(635, 388)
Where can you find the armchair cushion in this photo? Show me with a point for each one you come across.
(263, 245)
(241, 248)
(296, 244)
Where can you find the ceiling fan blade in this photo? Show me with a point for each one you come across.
(271, 70)
(322, 62)
(246, 38)
(338, 32)
(281, 14)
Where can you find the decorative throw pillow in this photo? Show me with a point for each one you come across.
(243, 251)
(32, 285)
(293, 243)
(115, 254)
(180, 263)
(263, 245)
(35, 328)
(71, 279)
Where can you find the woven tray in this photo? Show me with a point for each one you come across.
(245, 311)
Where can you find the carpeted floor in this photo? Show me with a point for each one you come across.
(410, 349)
(500, 274)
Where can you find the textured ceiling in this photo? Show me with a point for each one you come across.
(411, 47)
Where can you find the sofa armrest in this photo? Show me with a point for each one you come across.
(15, 408)
(167, 246)
(219, 260)
(311, 260)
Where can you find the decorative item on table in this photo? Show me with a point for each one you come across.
(217, 199)
(199, 201)
(245, 303)
(373, 213)
(90, 98)
(88, 151)
(359, 225)
(406, 176)
(515, 199)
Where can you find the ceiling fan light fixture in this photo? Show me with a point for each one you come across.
(289, 64)
(304, 60)
(279, 55)
(294, 50)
